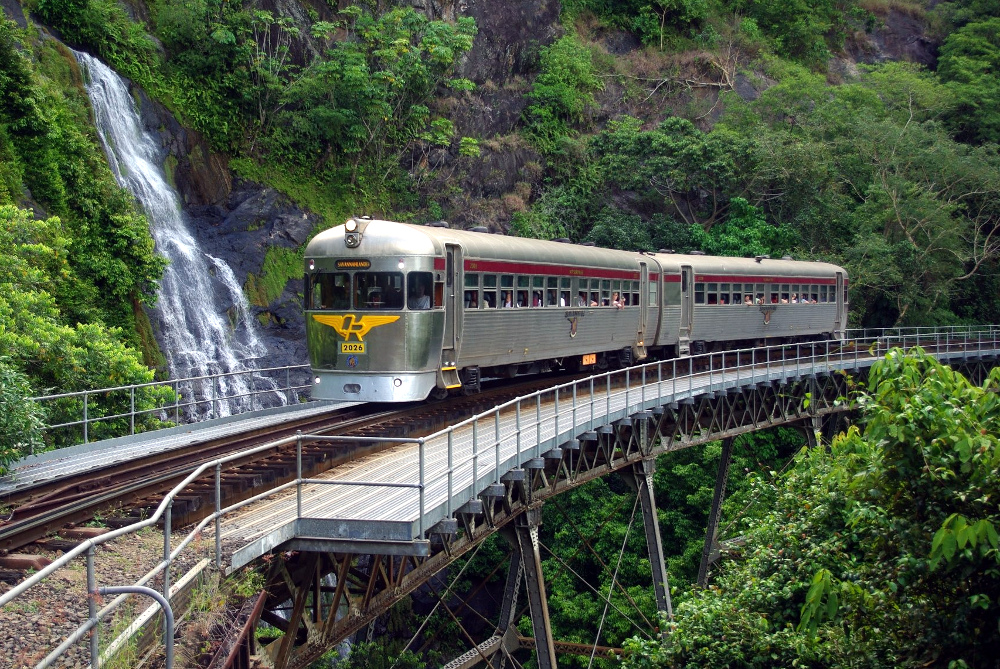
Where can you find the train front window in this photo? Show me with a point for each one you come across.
(378, 290)
(330, 290)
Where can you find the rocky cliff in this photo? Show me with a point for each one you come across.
(238, 220)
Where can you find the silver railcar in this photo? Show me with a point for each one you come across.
(395, 312)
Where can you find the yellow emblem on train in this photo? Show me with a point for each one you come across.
(349, 324)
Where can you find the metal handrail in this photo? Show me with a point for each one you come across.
(176, 406)
(872, 346)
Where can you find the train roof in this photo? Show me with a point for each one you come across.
(389, 238)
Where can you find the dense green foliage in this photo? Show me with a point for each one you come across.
(584, 531)
(69, 282)
(879, 551)
(863, 173)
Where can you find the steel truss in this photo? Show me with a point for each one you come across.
(313, 614)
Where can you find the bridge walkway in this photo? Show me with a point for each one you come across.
(360, 502)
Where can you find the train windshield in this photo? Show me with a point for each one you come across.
(329, 290)
(378, 290)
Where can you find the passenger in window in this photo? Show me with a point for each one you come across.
(536, 300)
(581, 300)
(507, 302)
(795, 298)
(723, 299)
(748, 300)
(616, 301)
(420, 300)
(471, 299)
(489, 300)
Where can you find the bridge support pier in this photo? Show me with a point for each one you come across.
(711, 551)
(641, 480)
(525, 545)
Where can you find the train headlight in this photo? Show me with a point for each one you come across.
(401, 264)
(316, 380)
(351, 225)
(312, 264)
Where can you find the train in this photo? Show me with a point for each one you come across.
(397, 312)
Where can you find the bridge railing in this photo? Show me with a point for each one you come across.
(496, 446)
(90, 415)
(615, 395)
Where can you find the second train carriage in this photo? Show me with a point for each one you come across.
(395, 312)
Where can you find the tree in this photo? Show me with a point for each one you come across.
(360, 105)
(694, 172)
(563, 92)
(968, 62)
(20, 419)
(879, 551)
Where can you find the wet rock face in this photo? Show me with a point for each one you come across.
(236, 221)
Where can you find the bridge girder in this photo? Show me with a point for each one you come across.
(367, 583)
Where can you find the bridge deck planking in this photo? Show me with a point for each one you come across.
(269, 523)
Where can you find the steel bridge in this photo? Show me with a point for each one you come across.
(358, 540)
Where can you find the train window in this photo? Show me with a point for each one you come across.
(471, 299)
(772, 292)
(564, 299)
(652, 293)
(783, 296)
(605, 293)
(331, 290)
(522, 299)
(737, 293)
(822, 293)
(523, 281)
(450, 267)
(759, 295)
(813, 294)
(552, 292)
(506, 280)
(712, 293)
(845, 293)
(418, 290)
(378, 290)
(538, 282)
(489, 291)
(635, 292)
(699, 293)
(471, 280)
(616, 286)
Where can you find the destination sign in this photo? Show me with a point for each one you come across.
(354, 263)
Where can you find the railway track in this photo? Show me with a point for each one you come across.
(126, 492)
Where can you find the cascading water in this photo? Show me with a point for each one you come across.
(198, 338)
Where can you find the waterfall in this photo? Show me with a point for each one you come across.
(200, 339)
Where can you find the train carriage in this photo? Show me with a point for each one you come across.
(395, 312)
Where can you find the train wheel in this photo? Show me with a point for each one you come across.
(439, 393)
